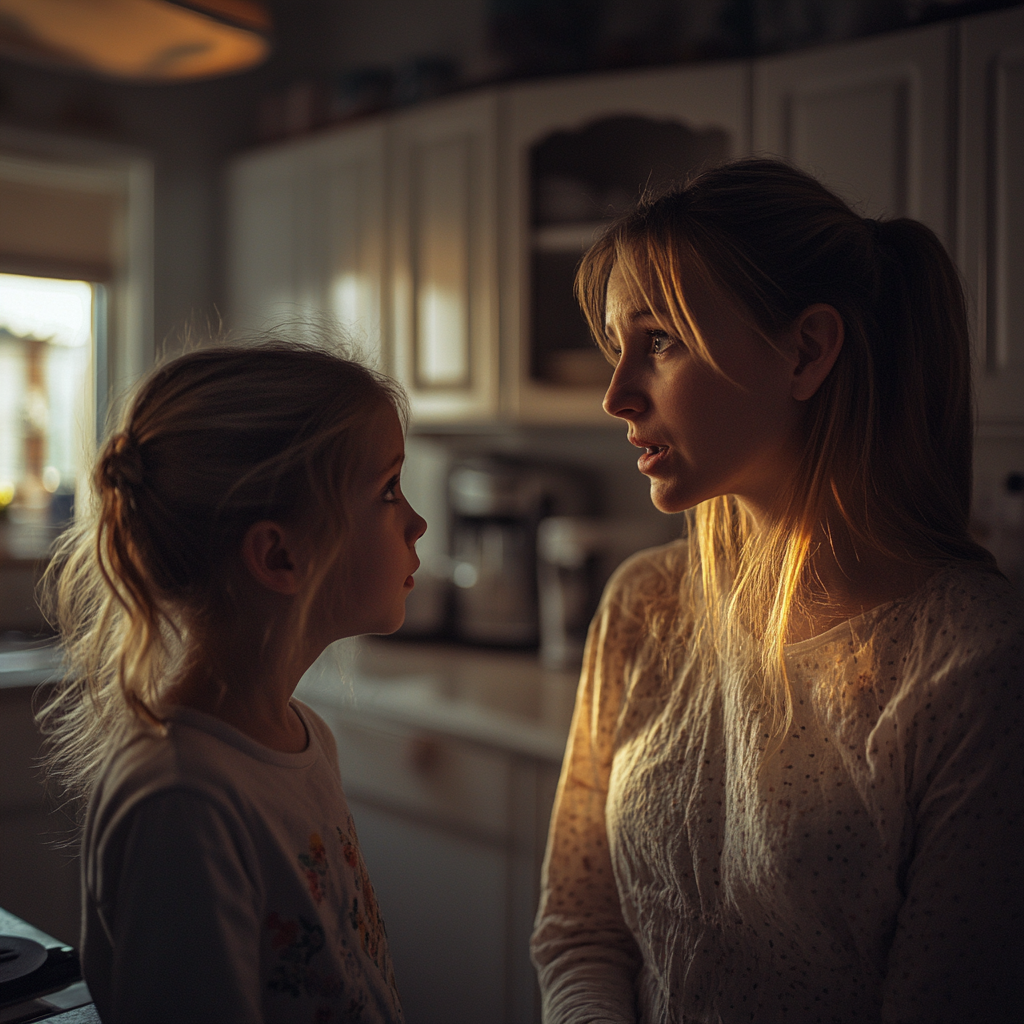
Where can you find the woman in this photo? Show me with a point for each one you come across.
(793, 787)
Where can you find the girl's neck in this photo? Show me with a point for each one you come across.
(248, 686)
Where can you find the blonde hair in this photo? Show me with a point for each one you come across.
(888, 436)
(212, 442)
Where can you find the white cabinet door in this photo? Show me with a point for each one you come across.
(307, 235)
(443, 897)
(711, 101)
(870, 118)
(991, 207)
(444, 281)
(262, 242)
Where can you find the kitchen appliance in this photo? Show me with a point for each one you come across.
(496, 505)
(575, 557)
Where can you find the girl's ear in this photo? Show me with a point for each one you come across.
(817, 336)
(271, 556)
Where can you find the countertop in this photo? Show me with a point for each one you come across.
(498, 699)
(504, 699)
(28, 663)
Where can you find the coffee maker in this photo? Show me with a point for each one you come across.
(496, 505)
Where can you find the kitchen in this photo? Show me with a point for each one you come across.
(464, 195)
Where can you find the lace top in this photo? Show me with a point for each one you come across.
(868, 866)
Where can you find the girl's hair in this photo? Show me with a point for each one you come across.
(888, 436)
(213, 441)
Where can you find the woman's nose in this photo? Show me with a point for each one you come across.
(624, 398)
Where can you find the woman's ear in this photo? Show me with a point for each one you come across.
(817, 336)
(271, 556)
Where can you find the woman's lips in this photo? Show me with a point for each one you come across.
(652, 457)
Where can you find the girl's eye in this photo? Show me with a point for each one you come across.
(391, 490)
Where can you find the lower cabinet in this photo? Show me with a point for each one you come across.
(443, 897)
(38, 848)
(453, 836)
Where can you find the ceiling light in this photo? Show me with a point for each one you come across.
(141, 40)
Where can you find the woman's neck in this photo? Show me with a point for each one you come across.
(847, 579)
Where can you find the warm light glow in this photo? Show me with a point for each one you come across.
(152, 40)
(41, 307)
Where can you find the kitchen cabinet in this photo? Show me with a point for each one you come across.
(991, 212)
(871, 118)
(450, 760)
(443, 202)
(452, 230)
(306, 236)
(576, 154)
(38, 848)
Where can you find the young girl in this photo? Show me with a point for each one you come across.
(248, 513)
(793, 787)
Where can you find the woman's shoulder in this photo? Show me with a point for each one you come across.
(647, 575)
(970, 608)
(960, 638)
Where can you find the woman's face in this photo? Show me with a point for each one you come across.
(706, 434)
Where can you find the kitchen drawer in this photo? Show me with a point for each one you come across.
(442, 779)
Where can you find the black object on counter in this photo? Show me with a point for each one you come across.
(32, 963)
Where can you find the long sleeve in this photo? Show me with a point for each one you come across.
(958, 950)
(184, 922)
(586, 957)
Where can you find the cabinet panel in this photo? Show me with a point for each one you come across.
(307, 235)
(992, 210)
(449, 781)
(442, 244)
(708, 103)
(870, 118)
(345, 216)
(443, 901)
(444, 286)
(262, 195)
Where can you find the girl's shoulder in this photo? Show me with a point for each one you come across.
(199, 755)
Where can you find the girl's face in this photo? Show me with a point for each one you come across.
(705, 434)
(373, 573)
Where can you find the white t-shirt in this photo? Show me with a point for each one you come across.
(870, 868)
(222, 881)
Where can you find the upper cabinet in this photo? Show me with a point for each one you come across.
(452, 232)
(991, 210)
(444, 339)
(578, 153)
(871, 119)
(306, 236)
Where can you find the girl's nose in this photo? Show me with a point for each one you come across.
(417, 526)
(624, 398)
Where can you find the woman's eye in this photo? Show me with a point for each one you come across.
(660, 341)
(391, 490)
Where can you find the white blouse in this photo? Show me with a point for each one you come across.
(868, 868)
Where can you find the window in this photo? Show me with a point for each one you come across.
(51, 335)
